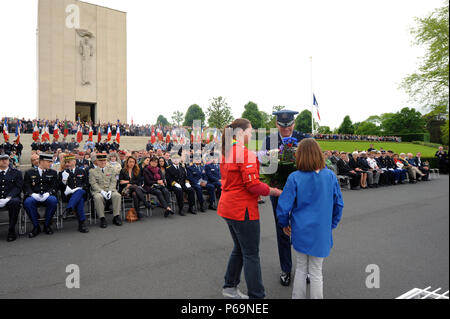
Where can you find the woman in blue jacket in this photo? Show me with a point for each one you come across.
(309, 208)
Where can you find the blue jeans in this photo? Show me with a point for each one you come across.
(246, 236)
(76, 202)
(31, 205)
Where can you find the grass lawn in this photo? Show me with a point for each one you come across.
(350, 146)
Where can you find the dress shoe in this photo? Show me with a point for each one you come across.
(139, 215)
(103, 223)
(148, 205)
(36, 231)
(48, 230)
(67, 212)
(82, 228)
(285, 279)
(202, 208)
(212, 206)
(117, 221)
(11, 237)
(192, 210)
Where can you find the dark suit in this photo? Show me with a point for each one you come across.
(11, 185)
(195, 174)
(345, 169)
(179, 175)
(421, 165)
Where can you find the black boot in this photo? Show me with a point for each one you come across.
(192, 210)
(35, 232)
(212, 206)
(82, 228)
(202, 207)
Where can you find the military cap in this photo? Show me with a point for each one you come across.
(285, 118)
(4, 156)
(69, 157)
(46, 157)
(101, 157)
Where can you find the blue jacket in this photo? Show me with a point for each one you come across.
(312, 204)
(213, 173)
(195, 174)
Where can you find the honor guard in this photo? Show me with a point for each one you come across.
(11, 182)
(74, 188)
(285, 125)
(40, 188)
(178, 183)
(103, 188)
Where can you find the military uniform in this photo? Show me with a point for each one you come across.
(74, 187)
(104, 180)
(195, 174)
(285, 118)
(11, 183)
(178, 175)
(213, 176)
(37, 184)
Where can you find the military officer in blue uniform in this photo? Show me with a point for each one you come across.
(196, 174)
(74, 186)
(40, 187)
(11, 182)
(285, 125)
(214, 178)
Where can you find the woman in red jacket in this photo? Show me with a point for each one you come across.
(238, 205)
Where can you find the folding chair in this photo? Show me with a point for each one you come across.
(344, 181)
(41, 211)
(127, 203)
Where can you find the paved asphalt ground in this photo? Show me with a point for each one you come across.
(402, 229)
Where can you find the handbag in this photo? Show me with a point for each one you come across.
(131, 215)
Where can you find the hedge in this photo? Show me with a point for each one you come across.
(422, 137)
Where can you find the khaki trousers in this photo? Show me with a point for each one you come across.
(99, 203)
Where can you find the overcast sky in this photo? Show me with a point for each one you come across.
(182, 52)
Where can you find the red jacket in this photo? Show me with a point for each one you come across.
(240, 172)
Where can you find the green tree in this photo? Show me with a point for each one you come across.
(177, 118)
(303, 122)
(193, 113)
(375, 119)
(324, 130)
(429, 85)
(219, 113)
(346, 126)
(403, 122)
(367, 128)
(253, 114)
(162, 121)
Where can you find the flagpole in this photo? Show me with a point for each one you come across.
(312, 98)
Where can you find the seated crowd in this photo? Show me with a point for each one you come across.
(374, 168)
(105, 178)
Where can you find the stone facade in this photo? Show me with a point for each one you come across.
(84, 64)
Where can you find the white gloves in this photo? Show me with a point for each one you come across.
(40, 198)
(5, 201)
(106, 195)
(65, 177)
(71, 191)
(45, 196)
(188, 185)
(177, 185)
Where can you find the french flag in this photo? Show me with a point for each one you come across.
(18, 133)
(118, 132)
(109, 133)
(56, 131)
(5, 131)
(317, 106)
